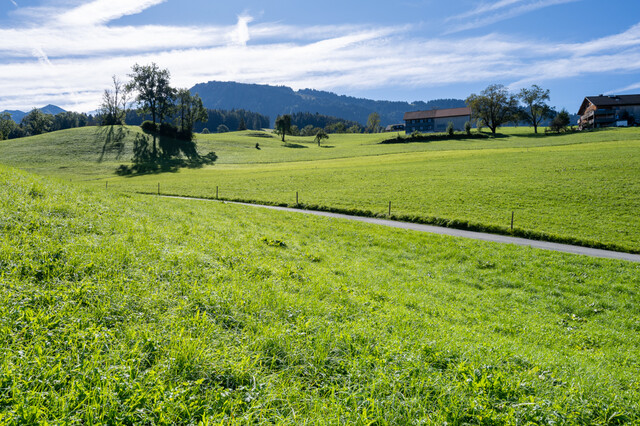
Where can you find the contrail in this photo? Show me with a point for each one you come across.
(14, 3)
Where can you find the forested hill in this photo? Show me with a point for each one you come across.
(277, 100)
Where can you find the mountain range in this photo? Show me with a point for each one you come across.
(17, 116)
(277, 100)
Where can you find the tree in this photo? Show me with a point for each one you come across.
(320, 136)
(536, 110)
(560, 121)
(222, 129)
(7, 125)
(37, 123)
(283, 125)
(242, 125)
(190, 110)
(113, 110)
(494, 106)
(373, 123)
(154, 93)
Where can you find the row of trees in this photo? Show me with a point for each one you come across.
(36, 123)
(285, 125)
(495, 106)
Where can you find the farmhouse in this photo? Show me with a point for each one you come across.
(436, 120)
(609, 111)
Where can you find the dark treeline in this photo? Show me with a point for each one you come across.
(36, 123)
(232, 120)
(328, 123)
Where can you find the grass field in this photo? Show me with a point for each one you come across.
(129, 309)
(580, 188)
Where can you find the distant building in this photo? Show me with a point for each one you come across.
(436, 120)
(394, 128)
(609, 111)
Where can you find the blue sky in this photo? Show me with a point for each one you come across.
(65, 51)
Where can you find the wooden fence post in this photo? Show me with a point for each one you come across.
(512, 216)
(389, 208)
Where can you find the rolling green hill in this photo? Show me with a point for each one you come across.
(580, 188)
(129, 309)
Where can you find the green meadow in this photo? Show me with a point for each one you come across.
(118, 308)
(581, 188)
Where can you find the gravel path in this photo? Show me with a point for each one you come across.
(565, 248)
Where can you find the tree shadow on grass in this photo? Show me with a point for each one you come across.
(294, 145)
(438, 137)
(112, 139)
(165, 155)
(543, 134)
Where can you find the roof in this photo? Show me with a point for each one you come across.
(437, 113)
(609, 101)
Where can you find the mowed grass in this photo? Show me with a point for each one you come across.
(128, 309)
(579, 188)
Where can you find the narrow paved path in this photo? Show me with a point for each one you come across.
(544, 245)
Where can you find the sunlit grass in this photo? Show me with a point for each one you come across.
(132, 309)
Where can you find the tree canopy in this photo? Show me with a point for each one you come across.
(373, 123)
(320, 136)
(494, 106)
(153, 92)
(535, 107)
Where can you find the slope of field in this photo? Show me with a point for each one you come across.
(124, 309)
(581, 188)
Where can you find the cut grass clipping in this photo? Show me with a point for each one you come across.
(122, 309)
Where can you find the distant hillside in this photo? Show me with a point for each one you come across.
(17, 116)
(276, 100)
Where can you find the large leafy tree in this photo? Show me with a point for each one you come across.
(494, 106)
(283, 125)
(535, 107)
(153, 91)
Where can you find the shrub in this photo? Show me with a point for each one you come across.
(467, 128)
(149, 127)
(560, 121)
(450, 128)
(223, 129)
(168, 129)
(205, 131)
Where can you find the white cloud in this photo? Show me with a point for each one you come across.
(240, 36)
(14, 3)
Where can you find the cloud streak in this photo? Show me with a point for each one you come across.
(103, 11)
(490, 13)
